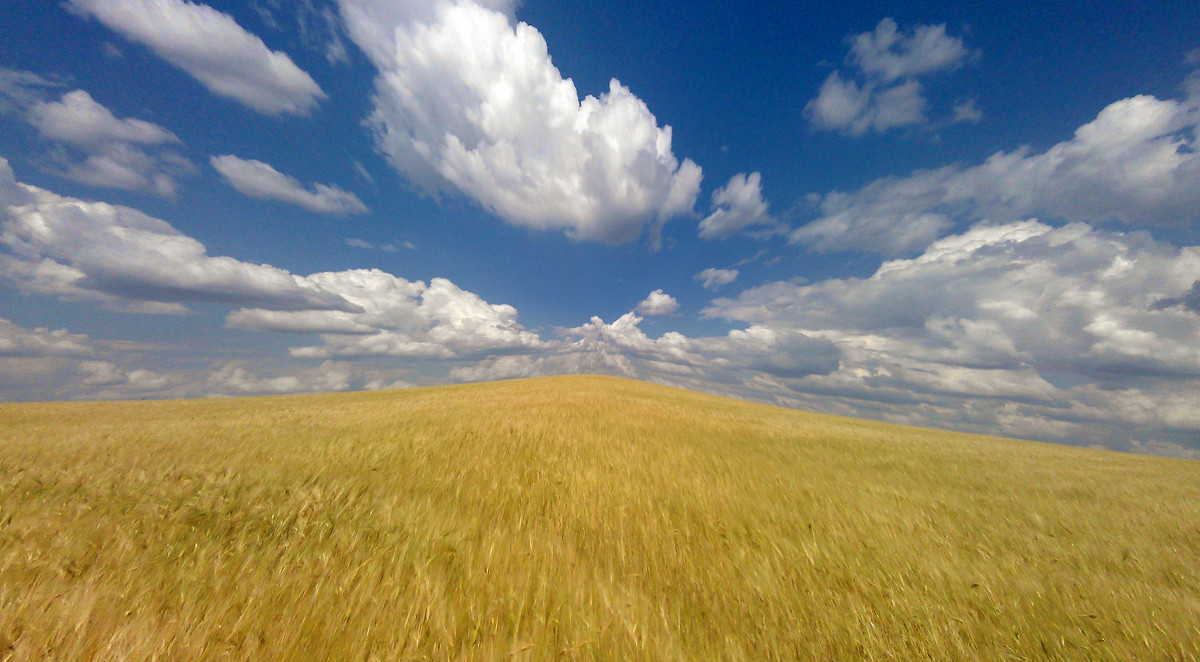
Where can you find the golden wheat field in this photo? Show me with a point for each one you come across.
(576, 518)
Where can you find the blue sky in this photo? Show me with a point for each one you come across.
(975, 216)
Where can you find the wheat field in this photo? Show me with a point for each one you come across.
(576, 518)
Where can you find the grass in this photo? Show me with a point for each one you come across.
(576, 518)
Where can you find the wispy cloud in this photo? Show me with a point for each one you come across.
(259, 180)
(713, 278)
(211, 47)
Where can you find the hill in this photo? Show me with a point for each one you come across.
(576, 518)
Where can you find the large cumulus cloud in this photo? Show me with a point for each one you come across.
(467, 100)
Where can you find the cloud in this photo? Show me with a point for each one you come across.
(1189, 300)
(440, 322)
(17, 341)
(396, 317)
(92, 145)
(888, 216)
(715, 364)
(79, 120)
(355, 242)
(1023, 328)
(713, 278)
(259, 180)
(736, 206)
(1136, 163)
(40, 364)
(781, 353)
(468, 101)
(383, 384)
(19, 90)
(211, 47)
(844, 105)
(317, 29)
(889, 54)
(658, 303)
(886, 94)
(362, 172)
(123, 166)
(71, 248)
(239, 378)
(105, 380)
(967, 112)
(234, 378)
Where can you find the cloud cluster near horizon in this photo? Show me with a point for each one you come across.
(1021, 328)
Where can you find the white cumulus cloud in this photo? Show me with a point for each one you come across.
(658, 303)
(396, 317)
(468, 100)
(887, 53)
(43, 364)
(845, 105)
(736, 206)
(21, 89)
(123, 166)
(78, 119)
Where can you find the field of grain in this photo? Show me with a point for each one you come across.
(576, 518)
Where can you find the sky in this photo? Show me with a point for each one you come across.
(973, 216)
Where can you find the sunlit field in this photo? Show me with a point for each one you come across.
(576, 518)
